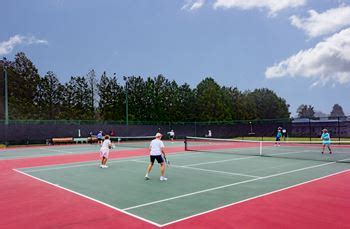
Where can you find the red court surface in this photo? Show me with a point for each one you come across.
(30, 203)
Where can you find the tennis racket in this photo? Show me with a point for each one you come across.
(167, 162)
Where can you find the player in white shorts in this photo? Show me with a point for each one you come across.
(104, 151)
(156, 153)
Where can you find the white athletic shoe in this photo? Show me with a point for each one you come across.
(163, 178)
(106, 166)
(101, 166)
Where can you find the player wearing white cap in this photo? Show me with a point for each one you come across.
(156, 153)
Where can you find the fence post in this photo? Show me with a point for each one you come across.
(338, 129)
(310, 129)
(195, 128)
(6, 135)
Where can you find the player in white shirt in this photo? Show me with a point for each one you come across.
(104, 151)
(156, 153)
(284, 134)
(209, 134)
(171, 135)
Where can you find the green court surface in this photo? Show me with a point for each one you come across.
(197, 182)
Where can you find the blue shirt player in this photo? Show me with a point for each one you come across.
(278, 137)
(326, 140)
(100, 137)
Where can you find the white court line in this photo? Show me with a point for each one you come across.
(90, 198)
(71, 166)
(225, 186)
(206, 170)
(236, 159)
(58, 150)
(213, 162)
(252, 198)
(216, 171)
(131, 159)
(159, 225)
(82, 164)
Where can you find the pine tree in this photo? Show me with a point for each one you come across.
(306, 111)
(337, 111)
(50, 96)
(111, 98)
(23, 88)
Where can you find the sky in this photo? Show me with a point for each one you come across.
(298, 48)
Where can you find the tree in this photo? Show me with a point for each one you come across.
(50, 96)
(77, 100)
(233, 100)
(267, 105)
(337, 111)
(92, 82)
(111, 98)
(306, 111)
(165, 98)
(149, 99)
(3, 63)
(154, 99)
(209, 101)
(23, 81)
(185, 106)
(138, 98)
(248, 109)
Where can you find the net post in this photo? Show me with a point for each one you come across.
(260, 148)
(185, 141)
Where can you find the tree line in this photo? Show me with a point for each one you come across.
(109, 97)
(307, 111)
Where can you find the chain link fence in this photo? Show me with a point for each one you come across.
(38, 131)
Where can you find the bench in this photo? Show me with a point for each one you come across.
(62, 140)
(80, 140)
(92, 139)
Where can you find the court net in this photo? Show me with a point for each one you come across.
(132, 141)
(305, 150)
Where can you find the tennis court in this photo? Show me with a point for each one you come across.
(205, 180)
(122, 143)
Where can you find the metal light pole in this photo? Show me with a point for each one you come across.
(6, 95)
(6, 101)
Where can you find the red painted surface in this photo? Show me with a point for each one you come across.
(320, 204)
(29, 203)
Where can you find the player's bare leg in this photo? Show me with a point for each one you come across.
(162, 171)
(329, 148)
(149, 168)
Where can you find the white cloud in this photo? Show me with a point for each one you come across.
(327, 62)
(272, 5)
(318, 24)
(6, 47)
(193, 5)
